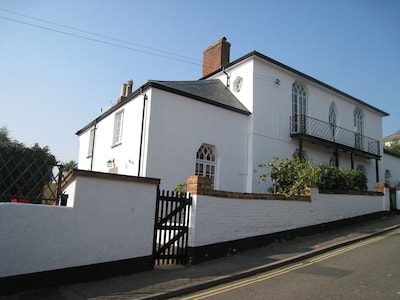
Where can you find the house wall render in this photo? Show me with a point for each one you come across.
(160, 137)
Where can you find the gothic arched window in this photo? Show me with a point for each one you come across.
(206, 162)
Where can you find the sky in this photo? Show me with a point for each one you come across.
(63, 61)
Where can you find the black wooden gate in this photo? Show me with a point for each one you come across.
(171, 228)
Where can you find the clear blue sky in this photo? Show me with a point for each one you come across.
(55, 79)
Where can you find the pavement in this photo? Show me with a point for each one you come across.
(166, 282)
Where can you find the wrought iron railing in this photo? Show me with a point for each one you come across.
(308, 126)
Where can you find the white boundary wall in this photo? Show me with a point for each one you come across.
(107, 218)
(215, 220)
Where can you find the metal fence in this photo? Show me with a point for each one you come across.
(24, 179)
(302, 124)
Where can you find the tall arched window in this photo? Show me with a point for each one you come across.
(299, 108)
(332, 114)
(332, 119)
(358, 128)
(299, 99)
(206, 162)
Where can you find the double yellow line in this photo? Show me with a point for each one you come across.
(257, 278)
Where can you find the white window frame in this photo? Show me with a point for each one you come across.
(118, 125)
(299, 99)
(332, 119)
(358, 128)
(91, 143)
(206, 162)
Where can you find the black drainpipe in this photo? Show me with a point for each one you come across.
(141, 135)
(228, 78)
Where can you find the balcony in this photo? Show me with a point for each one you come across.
(317, 131)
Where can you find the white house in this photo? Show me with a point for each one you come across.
(239, 114)
(391, 160)
(392, 139)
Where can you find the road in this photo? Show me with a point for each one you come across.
(366, 270)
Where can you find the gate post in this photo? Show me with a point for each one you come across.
(195, 185)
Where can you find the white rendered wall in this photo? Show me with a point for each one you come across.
(179, 126)
(392, 164)
(176, 126)
(125, 154)
(106, 219)
(269, 126)
(216, 220)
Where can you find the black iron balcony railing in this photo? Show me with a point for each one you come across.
(343, 138)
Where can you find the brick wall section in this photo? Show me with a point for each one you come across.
(198, 185)
(380, 187)
(216, 56)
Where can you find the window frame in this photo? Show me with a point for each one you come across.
(206, 162)
(91, 142)
(299, 99)
(332, 118)
(118, 128)
(358, 119)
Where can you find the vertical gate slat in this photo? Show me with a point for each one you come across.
(179, 247)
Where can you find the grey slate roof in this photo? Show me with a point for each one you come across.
(210, 91)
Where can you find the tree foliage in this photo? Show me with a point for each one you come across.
(24, 172)
(395, 148)
(69, 166)
(180, 188)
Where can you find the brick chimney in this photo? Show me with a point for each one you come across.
(216, 56)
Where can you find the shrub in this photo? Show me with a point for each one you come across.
(180, 188)
(355, 180)
(329, 178)
(290, 177)
(293, 177)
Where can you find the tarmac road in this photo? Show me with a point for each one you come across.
(365, 270)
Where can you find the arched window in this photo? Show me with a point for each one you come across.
(358, 128)
(299, 100)
(332, 119)
(332, 114)
(206, 162)
(299, 108)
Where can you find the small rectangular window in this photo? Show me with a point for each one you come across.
(117, 136)
(91, 143)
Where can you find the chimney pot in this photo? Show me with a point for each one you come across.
(216, 56)
(129, 85)
(123, 90)
(123, 93)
